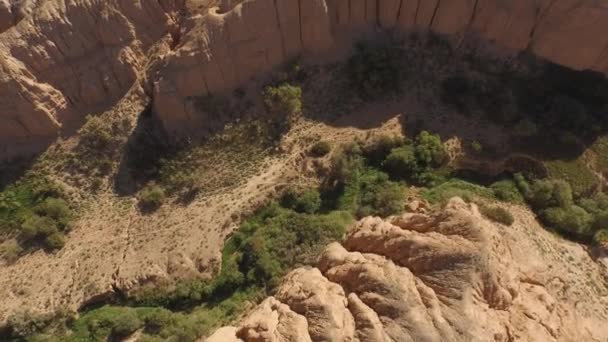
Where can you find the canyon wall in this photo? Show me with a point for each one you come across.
(69, 58)
(224, 50)
(64, 59)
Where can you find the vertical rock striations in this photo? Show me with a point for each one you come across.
(225, 50)
(65, 58)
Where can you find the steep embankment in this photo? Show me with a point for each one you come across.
(67, 59)
(450, 276)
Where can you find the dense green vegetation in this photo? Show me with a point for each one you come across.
(33, 211)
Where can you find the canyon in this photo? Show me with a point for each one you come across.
(65, 59)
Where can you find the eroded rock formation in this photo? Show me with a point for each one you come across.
(64, 59)
(68, 58)
(224, 50)
(451, 276)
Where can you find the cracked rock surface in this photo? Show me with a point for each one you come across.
(450, 276)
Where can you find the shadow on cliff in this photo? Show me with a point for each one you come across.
(141, 161)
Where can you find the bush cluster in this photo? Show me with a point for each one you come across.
(583, 218)
(284, 99)
(417, 161)
(33, 210)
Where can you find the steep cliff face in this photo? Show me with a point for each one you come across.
(68, 58)
(64, 59)
(451, 276)
(225, 50)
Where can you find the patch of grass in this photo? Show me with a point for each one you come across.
(284, 99)
(224, 161)
(456, 188)
(506, 190)
(151, 197)
(497, 214)
(575, 172)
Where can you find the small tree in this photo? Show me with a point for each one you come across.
(285, 99)
(401, 162)
(430, 150)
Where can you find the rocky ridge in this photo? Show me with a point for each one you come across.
(449, 276)
(67, 58)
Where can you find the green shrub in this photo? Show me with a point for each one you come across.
(126, 323)
(506, 190)
(96, 134)
(285, 99)
(55, 241)
(595, 205)
(36, 226)
(346, 163)
(379, 149)
(56, 209)
(276, 239)
(308, 201)
(152, 197)
(497, 214)
(25, 323)
(456, 188)
(401, 162)
(389, 199)
(572, 220)
(430, 150)
(320, 149)
(550, 193)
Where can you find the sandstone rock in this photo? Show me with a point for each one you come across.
(323, 303)
(449, 276)
(69, 58)
(273, 321)
(225, 334)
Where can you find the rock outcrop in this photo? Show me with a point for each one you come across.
(68, 58)
(64, 59)
(451, 276)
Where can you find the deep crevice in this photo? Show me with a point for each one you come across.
(276, 11)
(434, 14)
(399, 12)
